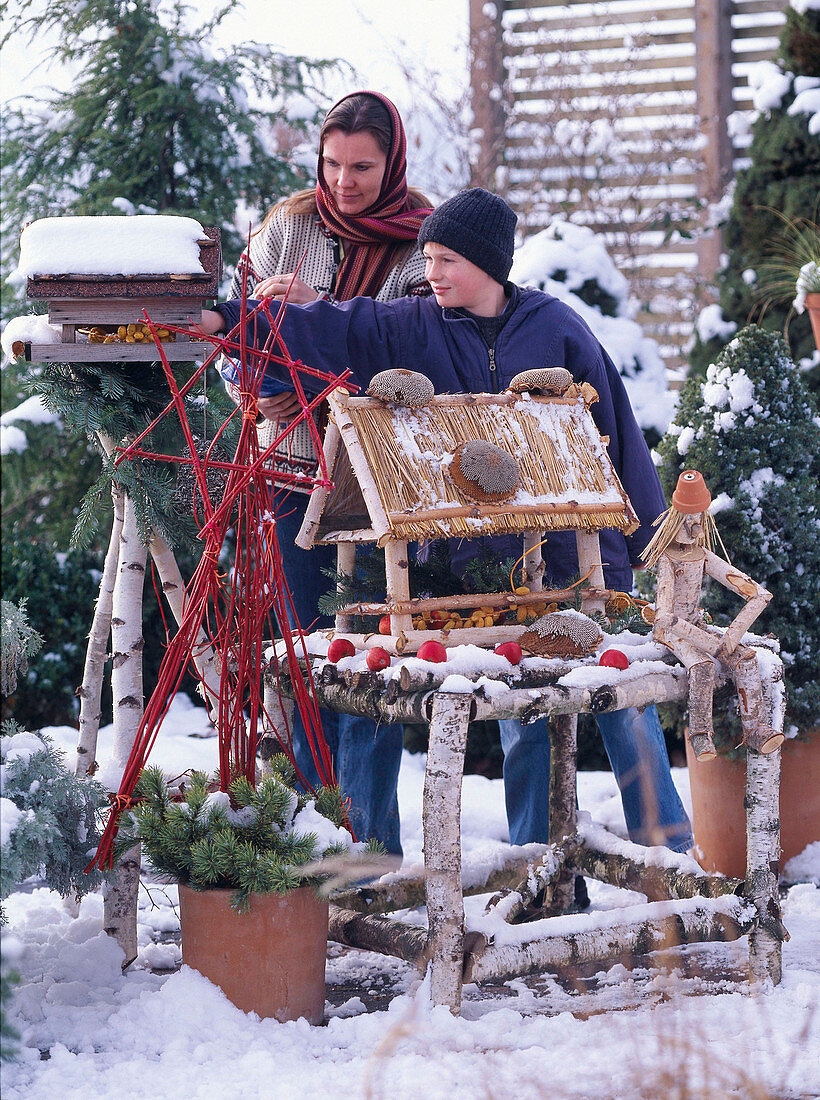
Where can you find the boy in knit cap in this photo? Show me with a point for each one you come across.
(474, 335)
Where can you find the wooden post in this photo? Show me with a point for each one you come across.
(589, 566)
(345, 567)
(533, 562)
(398, 583)
(487, 91)
(563, 734)
(713, 65)
(442, 845)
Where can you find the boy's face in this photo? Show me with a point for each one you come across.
(458, 283)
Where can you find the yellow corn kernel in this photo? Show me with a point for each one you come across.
(521, 614)
(551, 608)
(130, 340)
(522, 590)
(111, 338)
(488, 620)
(450, 624)
(122, 331)
(163, 333)
(130, 329)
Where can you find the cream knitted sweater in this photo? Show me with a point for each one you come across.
(296, 241)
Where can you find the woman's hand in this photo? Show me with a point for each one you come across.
(282, 406)
(278, 286)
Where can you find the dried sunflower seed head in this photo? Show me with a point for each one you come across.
(552, 380)
(402, 387)
(484, 472)
(561, 634)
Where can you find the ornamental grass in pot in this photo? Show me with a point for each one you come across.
(792, 273)
(249, 864)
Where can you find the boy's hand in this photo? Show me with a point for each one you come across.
(282, 406)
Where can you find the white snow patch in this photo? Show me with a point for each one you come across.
(145, 244)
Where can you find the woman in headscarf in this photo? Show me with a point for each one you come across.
(353, 235)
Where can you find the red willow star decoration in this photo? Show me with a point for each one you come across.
(232, 618)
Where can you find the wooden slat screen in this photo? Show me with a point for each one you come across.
(636, 170)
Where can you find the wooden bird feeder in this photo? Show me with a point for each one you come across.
(391, 471)
(102, 317)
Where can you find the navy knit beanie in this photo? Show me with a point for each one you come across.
(479, 226)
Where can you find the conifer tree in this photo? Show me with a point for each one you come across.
(158, 119)
(752, 429)
(781, 180)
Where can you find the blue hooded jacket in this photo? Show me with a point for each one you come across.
(365, 337)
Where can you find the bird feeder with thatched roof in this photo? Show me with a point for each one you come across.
(409, 465)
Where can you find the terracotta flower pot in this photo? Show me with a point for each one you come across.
(719, 820)
(813, 306)
(269, 960)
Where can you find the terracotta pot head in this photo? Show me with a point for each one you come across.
(691, 495)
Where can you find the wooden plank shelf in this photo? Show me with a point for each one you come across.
(176, 351)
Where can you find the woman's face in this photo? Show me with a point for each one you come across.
(353, 167)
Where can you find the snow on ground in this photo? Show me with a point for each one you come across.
(679, 1024)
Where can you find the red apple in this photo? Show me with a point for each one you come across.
(377, 658)
(338, 648)
(384, 624)
(432, 651)
(510, 650)
(613, 658)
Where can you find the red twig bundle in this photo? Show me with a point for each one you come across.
(234, 617)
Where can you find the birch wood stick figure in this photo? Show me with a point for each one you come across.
(682, 553)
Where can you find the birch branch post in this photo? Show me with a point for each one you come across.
(442, 845)
(96, 654)
(120, 896)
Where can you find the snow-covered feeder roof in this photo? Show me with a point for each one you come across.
(60, 255)
(402, 457)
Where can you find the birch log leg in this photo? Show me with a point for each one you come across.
(90, 691)
(345, 568)
(758, 734)
(120, 911)
(442, 845)
(762, 863)
(563, 733)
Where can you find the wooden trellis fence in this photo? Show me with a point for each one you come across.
(614, 113)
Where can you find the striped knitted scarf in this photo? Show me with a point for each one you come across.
(374, 239)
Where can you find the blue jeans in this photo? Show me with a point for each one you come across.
(637, 752)
(366, 757)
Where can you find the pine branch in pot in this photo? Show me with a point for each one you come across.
(245, 859)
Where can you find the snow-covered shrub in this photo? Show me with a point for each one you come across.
(753, 430)
(48, 816)
(571, 262)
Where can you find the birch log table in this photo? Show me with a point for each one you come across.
(686, 904)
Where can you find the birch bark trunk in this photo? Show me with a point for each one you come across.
(90, 691)
(442, 846)
(563, 734)
(762, 865)
(120, 910)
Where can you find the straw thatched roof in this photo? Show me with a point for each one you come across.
(389, 466)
